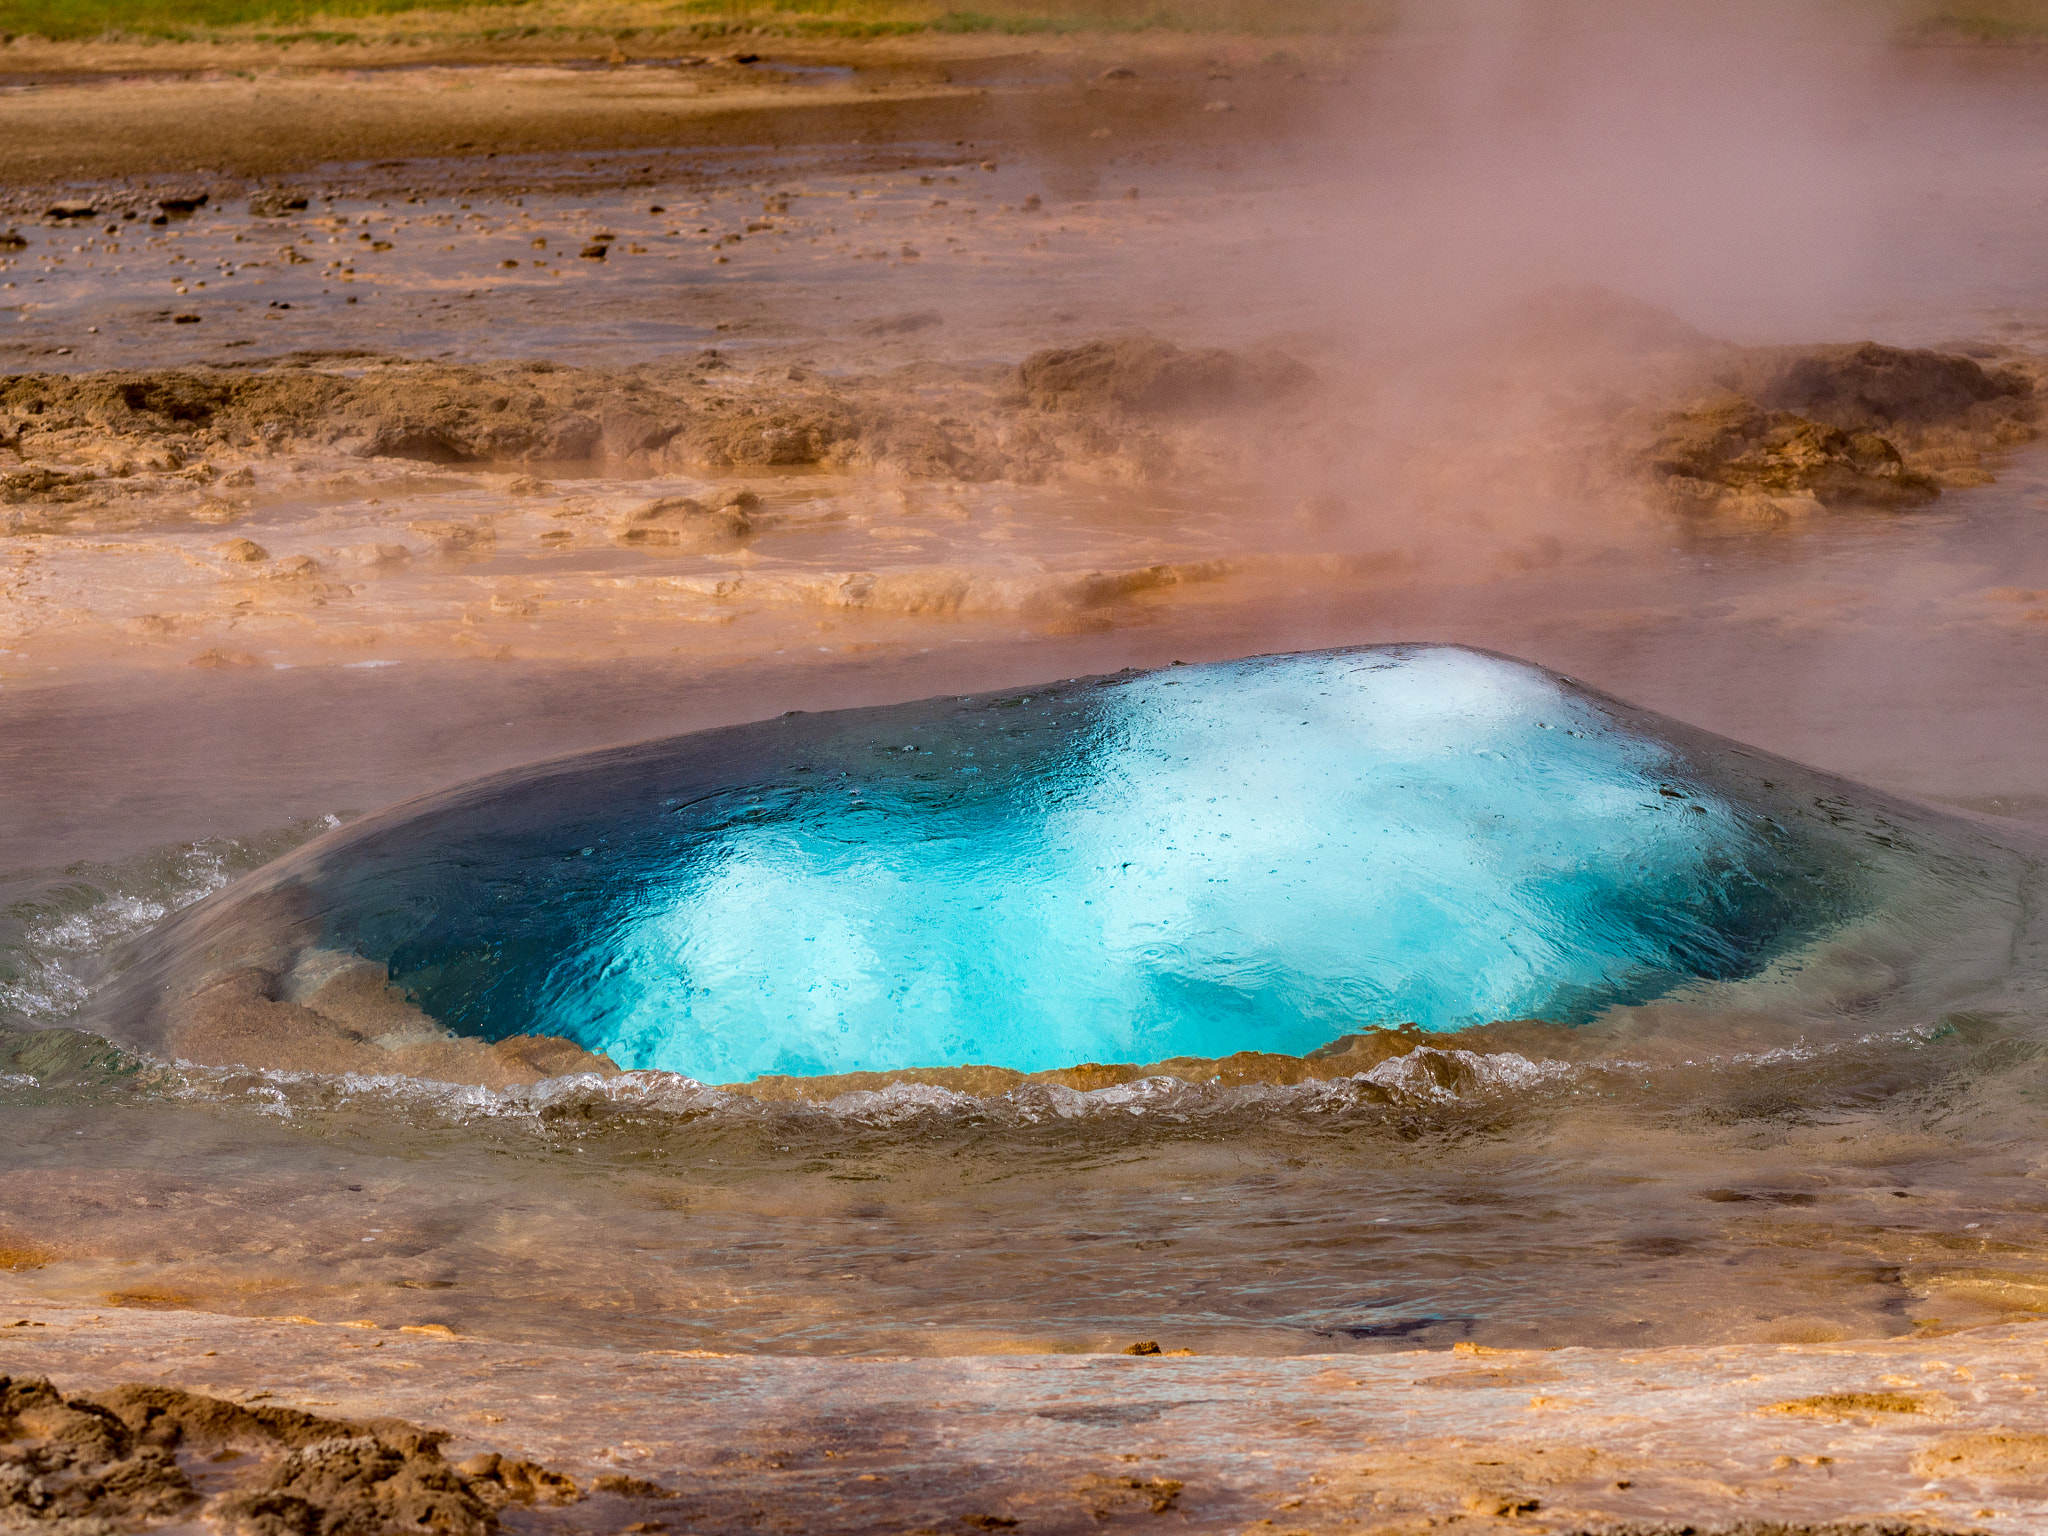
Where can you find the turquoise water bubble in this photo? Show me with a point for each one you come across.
(1257, 855)
(1261, 854)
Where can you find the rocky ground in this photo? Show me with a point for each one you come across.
(92, 442)
(145, 1455)
(1787, 430)
(91, 463)
(161, 1415)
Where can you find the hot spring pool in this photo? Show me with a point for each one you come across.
(1711, 1045)
(1263, 854)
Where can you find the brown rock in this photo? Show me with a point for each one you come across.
(112, 1462)
(355, 1483)
(450, 538)
(681, 522)
(275, 202)
(373, 555)
(548, 1056)
(1087, 1076)
(521, 1482)
(72, 1459)
(1842, 1405)
(1731, 445)
(980, 1080)
(237, 1018)
(619, 1484)
(1107, 1497)
(806, 432)
(1869, 387)
(351, 1020)
(174, 1419)
(1344, 1057)
(1140, 373)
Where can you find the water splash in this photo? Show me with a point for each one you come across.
(59, 929)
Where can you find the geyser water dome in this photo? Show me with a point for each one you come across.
(1261, 854)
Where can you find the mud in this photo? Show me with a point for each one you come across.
(1144, 374)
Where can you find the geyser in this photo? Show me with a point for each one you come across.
(1262, 854)
(1259, 854)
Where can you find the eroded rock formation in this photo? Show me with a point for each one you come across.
(1847, 426)
(142, 1455)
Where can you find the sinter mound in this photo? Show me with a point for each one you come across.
(1847, 426)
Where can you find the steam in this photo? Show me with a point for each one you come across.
(1726, 161)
